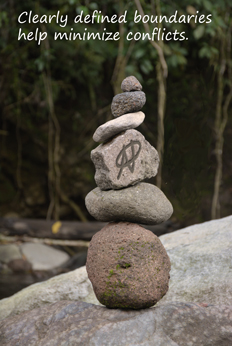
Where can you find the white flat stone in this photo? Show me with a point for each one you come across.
(43, 257)
(115, 126)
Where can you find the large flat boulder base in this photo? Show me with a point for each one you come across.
(77, 323)
(196, 311)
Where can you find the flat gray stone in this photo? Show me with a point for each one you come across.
(127, 102)
(125, 160)
(143, 203)
(77, 324)
(9, 252)
(115, 126)
(131, 84)
(73, 285)
(43, 257)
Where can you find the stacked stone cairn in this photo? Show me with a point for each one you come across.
(127, 264)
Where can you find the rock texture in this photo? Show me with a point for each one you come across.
(127, 102)
(115, 126)
(125, 160)
(201, 263)
(128, 266)
(9, 252)
(143, 203)
(43, 257)
(74, 285)
(131, 84)
(203, 278)
(77, 323)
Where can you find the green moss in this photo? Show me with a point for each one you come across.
(111, 272)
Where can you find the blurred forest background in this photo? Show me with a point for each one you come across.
(54, 96)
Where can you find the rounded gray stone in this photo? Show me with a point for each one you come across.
(43, 257)
(143, 203)
(125, 160)
(131, 84)
(115, 126)
(127, 102)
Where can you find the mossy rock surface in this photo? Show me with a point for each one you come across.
(128, 266)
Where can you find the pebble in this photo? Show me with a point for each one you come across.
(128, 266)
(43, 257)
(142, 203)
(131, 84)
(127, 102)
(115, 126)
(9, 252)
(125, 160)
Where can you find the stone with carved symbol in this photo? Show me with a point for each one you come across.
(143, 203)
(125, 160)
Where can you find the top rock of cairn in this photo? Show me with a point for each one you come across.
(131, 100)
(131, 84)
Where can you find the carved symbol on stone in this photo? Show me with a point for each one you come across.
(122, 160)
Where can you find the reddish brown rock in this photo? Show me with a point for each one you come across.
(128, 266)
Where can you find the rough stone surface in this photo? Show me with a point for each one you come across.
(128, 266)
(9, 252)
(77, 323)
(125, 160)
(131, 84)
(203, 277)
(143, 203)
(127, 102)
(74, 285)
(201, 257)
(43, 257)
(115, 126)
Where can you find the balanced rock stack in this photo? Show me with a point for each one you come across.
(127, 264)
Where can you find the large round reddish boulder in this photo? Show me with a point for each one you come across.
(128, 266)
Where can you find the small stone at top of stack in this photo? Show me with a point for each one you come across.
(131, 84)
(131, 100)
(126, 109)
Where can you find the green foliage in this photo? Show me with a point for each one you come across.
(81, 79)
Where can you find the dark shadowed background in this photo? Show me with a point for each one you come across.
(53, 96)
